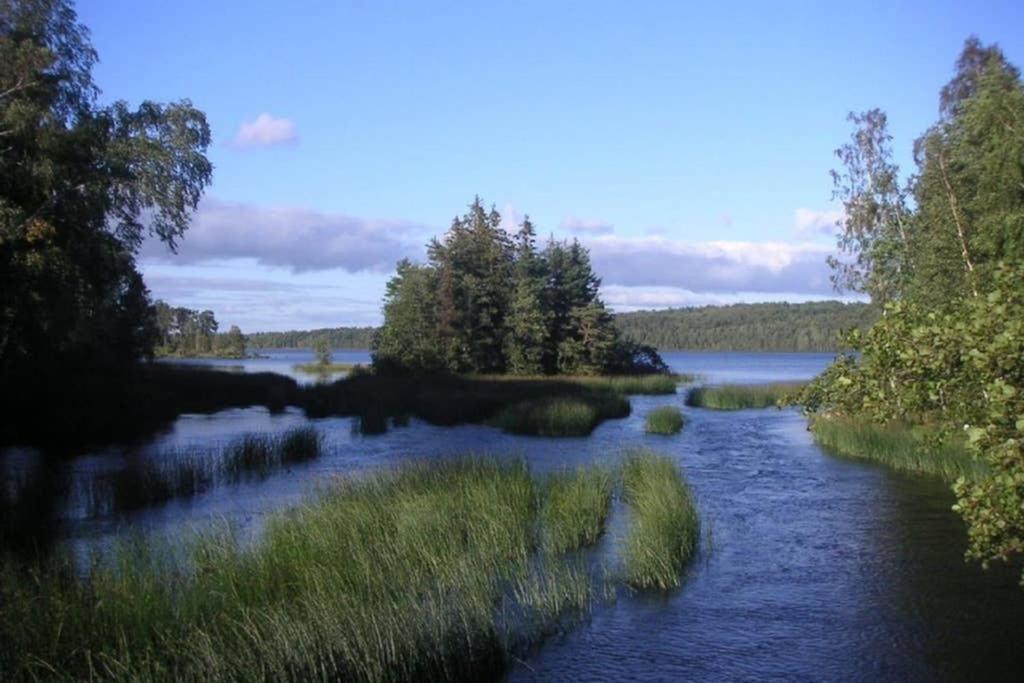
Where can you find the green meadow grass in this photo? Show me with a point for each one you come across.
(664, 526)
(740, 396)
(664, 420)
(897, 446)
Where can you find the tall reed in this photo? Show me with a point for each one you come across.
(740, 396)
(664, 525)
(664, 420)
(897, 446)
(424, 573)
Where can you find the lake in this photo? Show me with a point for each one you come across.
(812, 566)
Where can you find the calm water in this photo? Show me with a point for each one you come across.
(813, 567)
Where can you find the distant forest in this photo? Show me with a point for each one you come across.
(811, 326)
(337, 338)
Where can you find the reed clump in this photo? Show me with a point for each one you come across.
(575, 507)
(423, 573)
(155, 480)
(575, 416)
(664, 420)
(664, 526)
(741, 396)
(898, 446)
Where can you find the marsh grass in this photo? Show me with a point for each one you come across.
(897, 446)
(575, 507)
(741, 396)
(423, 573)
(664, 420)
(664, 527)
(321, 369)
(576, 416)
(152, 481)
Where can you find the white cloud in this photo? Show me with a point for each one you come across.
(722, 267)
(293, 238)
(809, 222)
(582, 226)
(265, 131)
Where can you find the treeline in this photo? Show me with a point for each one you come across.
(943, 251)
(187, 332)
(814, 326)
(488, 302)
(336, 338)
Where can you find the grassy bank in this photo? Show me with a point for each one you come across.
(740, 396)
(664, 420)
(664, 528)
(897, 446)
(443, 577)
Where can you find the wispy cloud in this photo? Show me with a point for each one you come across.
(265, 131)
(809, 222)
(583, 226)
(293, 238)
(624, 299)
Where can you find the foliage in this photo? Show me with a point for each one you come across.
(337, 338)
(487, 304)
(441, 579)
(812, 326)
(322, 349)
(185, 332)
(740, 396)
(664, 527)
(664, 420)
(946, 354)
(81, 185)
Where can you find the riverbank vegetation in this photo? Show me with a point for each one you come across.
(664, 420)
(741, 396)
(811, 326)
(664, 527)
(488, 303)
(450, 569)
(941, 252)
(899, 446)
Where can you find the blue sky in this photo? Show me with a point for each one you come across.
(688, 147)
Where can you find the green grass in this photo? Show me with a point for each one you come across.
(664, 527)
(740, 396)
(575, 507)
(323, 369)
(897, 446)
(423, 573)
(636, 384)
(664, 420)
(575, 416)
